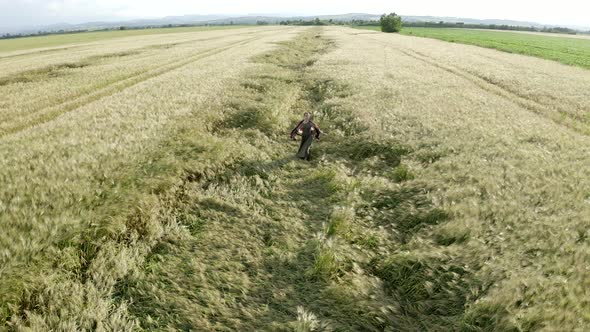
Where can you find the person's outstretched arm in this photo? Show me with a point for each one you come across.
(318, 132)
(294, 131)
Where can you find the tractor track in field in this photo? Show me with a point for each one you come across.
(497, 88)
(40, 52)
(52, 112)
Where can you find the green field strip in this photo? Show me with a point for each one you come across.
(569, 51)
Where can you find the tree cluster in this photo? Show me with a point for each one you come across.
(391, 23)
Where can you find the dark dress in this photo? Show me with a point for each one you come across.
(308, 131)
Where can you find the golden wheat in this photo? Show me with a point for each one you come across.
(147, 183)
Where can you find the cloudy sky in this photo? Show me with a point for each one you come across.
(15, 13)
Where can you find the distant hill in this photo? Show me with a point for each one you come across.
(350, 17)
(253, 19)
(174, 20)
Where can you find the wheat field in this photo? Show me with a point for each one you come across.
(148, 183)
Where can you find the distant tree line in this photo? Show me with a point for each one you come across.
(442, 24)
(39, 33)
(314, 22)
(559, 30)
(138, 27)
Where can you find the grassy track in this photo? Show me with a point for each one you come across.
(570, 51)
(27, 43)
(354, 242)
(276, 243)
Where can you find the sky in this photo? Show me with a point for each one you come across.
(20, 13)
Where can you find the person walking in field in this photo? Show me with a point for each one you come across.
(308, 130)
